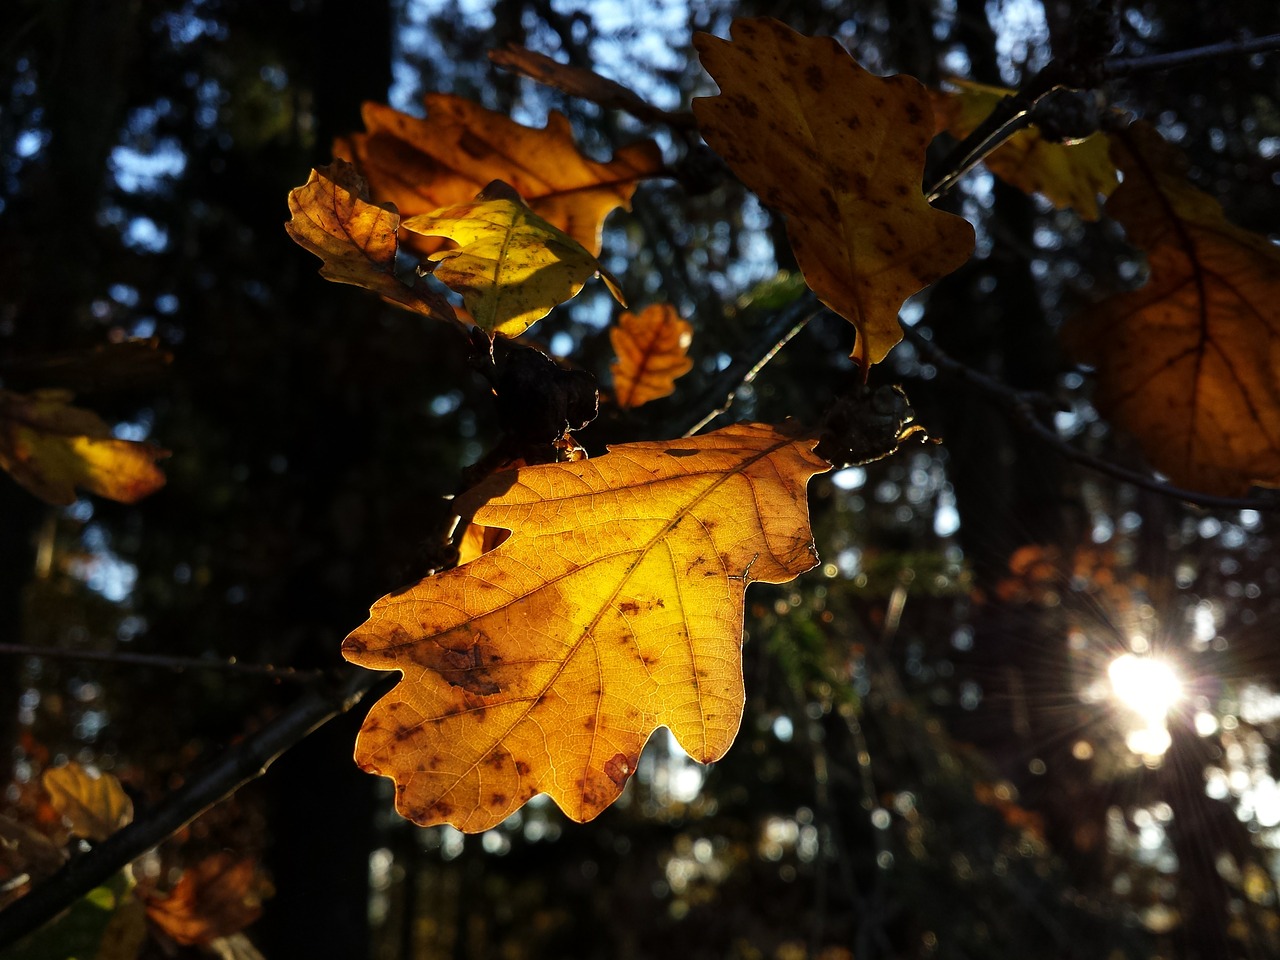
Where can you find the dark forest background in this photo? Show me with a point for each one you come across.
(924, 769)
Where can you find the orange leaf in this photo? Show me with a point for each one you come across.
(652, 348)
(448, 157)
(840, 153)
(1187, 363)
(219, 896)
(51, 447)
(1069, 175)
(95, 807)
(331, 216)
(615, 607)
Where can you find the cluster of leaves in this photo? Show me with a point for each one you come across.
(614, 606)
(208, 905)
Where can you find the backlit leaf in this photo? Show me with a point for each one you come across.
(332, 217)
(94, 807)
(511, 266)
(1069, 175)
(615, 607)
(840, 153)
(1188, 362)
(653, 352)
(51, 447)
(447, 157)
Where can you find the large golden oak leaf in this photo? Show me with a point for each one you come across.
(1190, 362)
(447, 157)
(511, 266)
(1068, 174)
(51, 447)
(331, 216)
(653, 352)
(614, 608)
(840, 153)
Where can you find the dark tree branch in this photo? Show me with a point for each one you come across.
(1128, 66)
(162, 661)
(1022, 406)
(243, 762)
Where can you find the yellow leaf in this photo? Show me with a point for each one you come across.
(511, 266)
(51, 447)
(448, 157)
(94, 807)
(331, 216)
(615, 607)
(652, 348)
(1069, 175)
(840, 153)
(1188, 362)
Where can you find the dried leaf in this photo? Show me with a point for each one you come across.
(653, 352)
(94, 807)
(218, 897)
(1188, 363)
(448, 157)
(477, 540)
(51, 447)
(1069, 175)
(615, 607)
(840, 153)
(511, 266)
(27, 856)
(582, 83)
(332, 217)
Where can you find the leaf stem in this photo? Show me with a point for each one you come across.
(235, 767)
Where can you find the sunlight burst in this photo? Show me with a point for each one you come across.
(1150, 688)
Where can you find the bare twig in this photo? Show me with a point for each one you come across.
(735, 377)
(162, 662)
(243, 762)
(1148, 63)
(1022, 406)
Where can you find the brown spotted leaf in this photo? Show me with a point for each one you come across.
(840, 153)
(653, 352)
(1068, 174)
(94, 807)
(51, 447)
(331, 216)
(447, 157)
(1188, 362)
(615, 607)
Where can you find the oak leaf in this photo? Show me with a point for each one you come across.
(51, 447)
(511, 266)
(447, 157)
(331, 216)
(1068, 174)
(94, 807)
(219, 896)
(1188, 362)
(840, 153)
(615, 607)
(653, 352)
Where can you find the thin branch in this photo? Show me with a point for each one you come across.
(1022, 405)
(246, 761)
(735, 379)
(162, 662)
(1127, 66)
